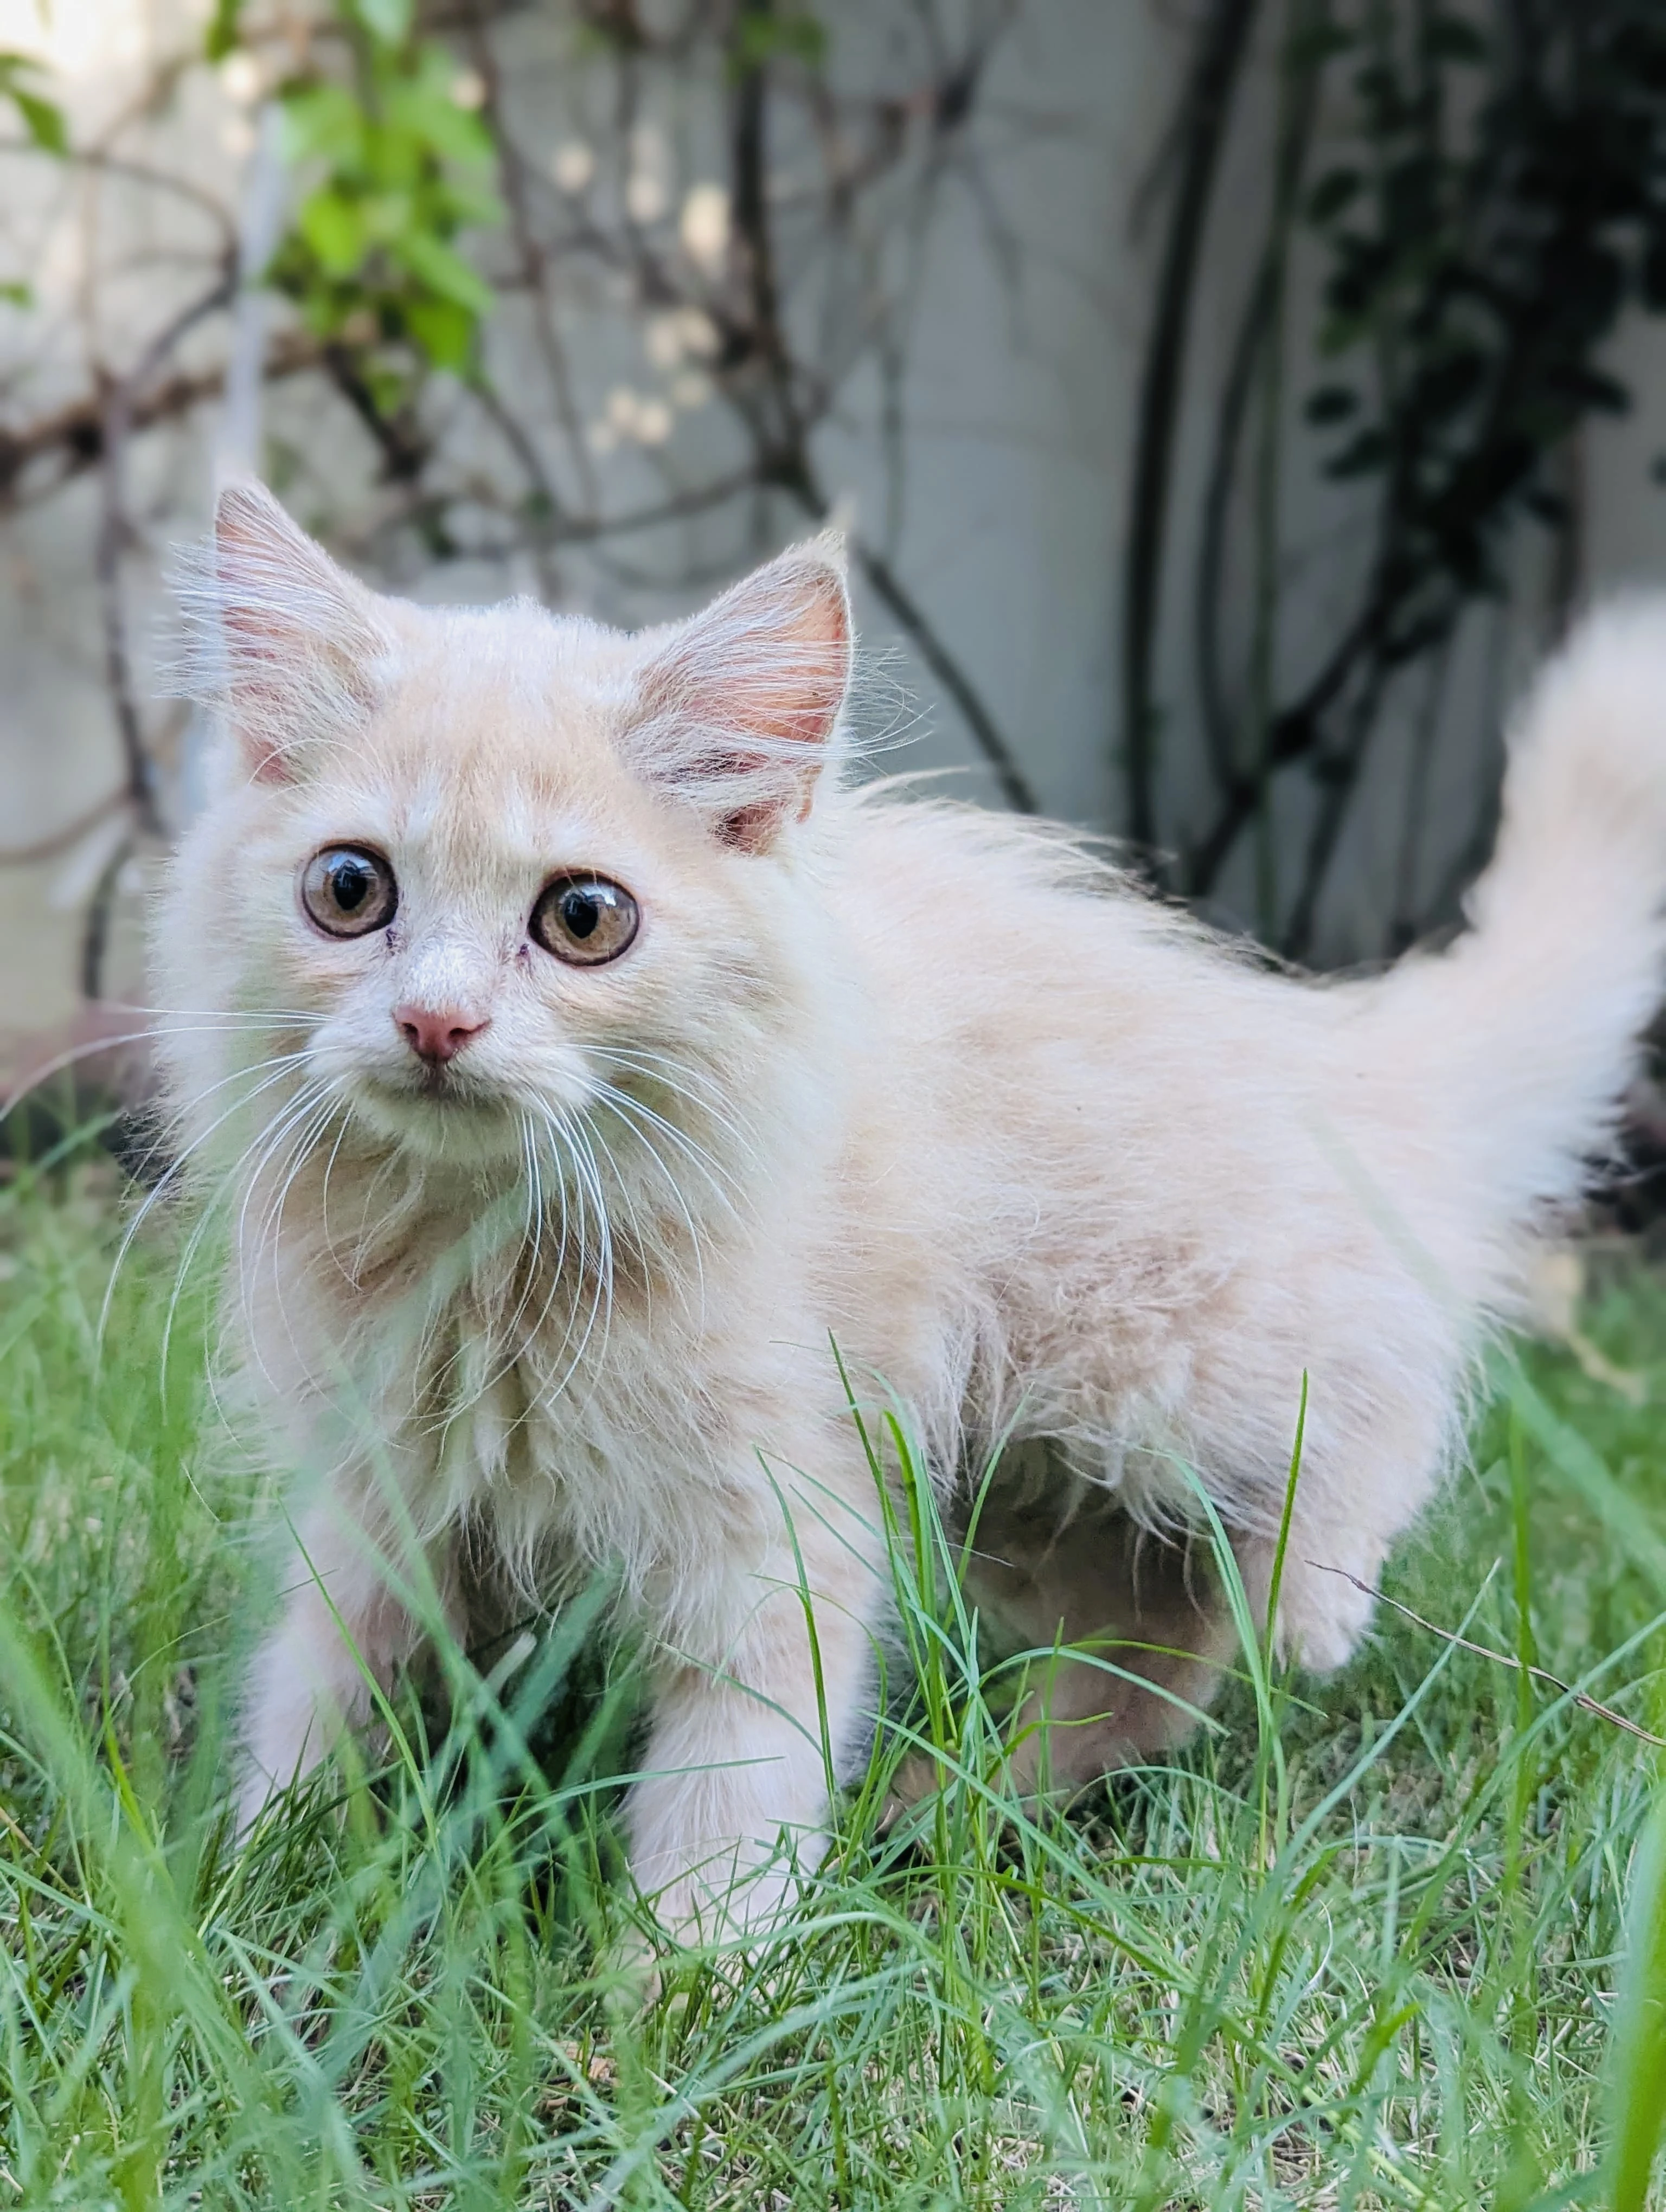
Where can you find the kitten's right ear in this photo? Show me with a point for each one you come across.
(289, 645)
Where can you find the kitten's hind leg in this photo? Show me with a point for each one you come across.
(344, 1627)
(1147, 1626)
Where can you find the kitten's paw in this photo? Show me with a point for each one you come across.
(637, 1979)
(915, 1782)
(1322, 1614)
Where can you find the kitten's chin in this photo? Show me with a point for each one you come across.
(453, 1130)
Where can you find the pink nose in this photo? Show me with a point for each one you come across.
(436, 1034)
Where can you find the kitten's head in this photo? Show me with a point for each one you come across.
(481, 864)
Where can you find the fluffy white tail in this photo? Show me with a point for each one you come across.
(1522, 1037)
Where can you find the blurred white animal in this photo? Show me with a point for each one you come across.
(578, 1056)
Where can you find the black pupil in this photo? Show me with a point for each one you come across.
(581, 912)
(349, 883)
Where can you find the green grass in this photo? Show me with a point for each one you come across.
(1366, 1945)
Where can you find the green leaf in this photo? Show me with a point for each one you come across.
(15, 292)
(395, 159)
(386, 218)
(761, 37)
(433, 116)
(1362, 456)
(221, 36)
(322, 120)
(387, 19)
(442, 331)
(444, 270)
(387, 387)
(471, 206)
(42, 120)
(1332, 194)
(334, 227)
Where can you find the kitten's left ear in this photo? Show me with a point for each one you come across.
(289, 645)
(737, 715)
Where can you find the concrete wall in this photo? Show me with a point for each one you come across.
(1028, 293)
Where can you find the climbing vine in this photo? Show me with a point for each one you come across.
(1482, 194)
(592, 339)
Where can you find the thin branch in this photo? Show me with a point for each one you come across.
(112, 535)
(60, 841)
(1338, 774)
(534, 262)
(405, 450)
(1219, 733)
(1297, 731)
(95, 930)
(1502, 1658)
(985, 732)
(1015, 786)
(1221, 43)
(73, 434)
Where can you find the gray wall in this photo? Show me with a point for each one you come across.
(1029, 291)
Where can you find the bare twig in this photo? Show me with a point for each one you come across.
(112, 535)
(1218, 731)
(59, 840)
(1015, 786)
(95, 929)
(1503, 1658)
(1221, 42)
(73, 435)
(534, 264)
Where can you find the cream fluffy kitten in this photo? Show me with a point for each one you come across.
(578, 1056)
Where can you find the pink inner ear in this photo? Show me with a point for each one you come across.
(770, 661)
(295, 630)
(732, 715)
(798, 697)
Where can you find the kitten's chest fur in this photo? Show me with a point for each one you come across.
(575, 1408)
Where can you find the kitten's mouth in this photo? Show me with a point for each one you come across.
(438, 1112)
(446, 1082)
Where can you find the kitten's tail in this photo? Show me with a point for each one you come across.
(1525, 1033)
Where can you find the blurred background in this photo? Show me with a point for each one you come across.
(1228, 400)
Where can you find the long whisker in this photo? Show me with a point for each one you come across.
(630, 1107)
(619, 1104)
(531, 1240)
(602, 1304)
(558, 1266)
(565, 1138)
(90, 1047)
(689, 1085)
(270, 1230)
(298, 1112)
(270, 1073)
(224, 1194)
(324, 1193)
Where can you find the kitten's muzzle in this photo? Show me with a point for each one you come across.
(437, 1033)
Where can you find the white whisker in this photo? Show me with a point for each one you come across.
(270, 1073)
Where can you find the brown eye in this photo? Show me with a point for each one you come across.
(347, 892)
(585, 920)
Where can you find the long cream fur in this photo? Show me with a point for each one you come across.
(1045, 1160)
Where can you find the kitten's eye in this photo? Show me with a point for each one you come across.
(585, 920)
(348, 891)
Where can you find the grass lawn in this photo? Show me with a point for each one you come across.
(1365, 1946)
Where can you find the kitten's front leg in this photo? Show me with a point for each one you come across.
(341, 1621)
(737, 1752)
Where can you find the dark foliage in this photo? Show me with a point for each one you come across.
(1492, 200)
